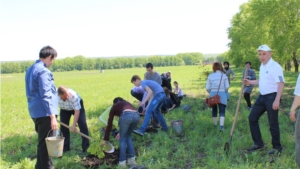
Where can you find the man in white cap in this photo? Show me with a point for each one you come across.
(271, 83)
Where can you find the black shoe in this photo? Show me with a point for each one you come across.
(255, 147)
(275, 151)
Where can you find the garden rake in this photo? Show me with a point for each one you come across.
(227, 144)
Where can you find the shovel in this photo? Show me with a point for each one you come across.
(90, 138)
(76, 131)
(227, 144)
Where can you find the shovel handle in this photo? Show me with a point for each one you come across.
(76, 131)
(238, 104)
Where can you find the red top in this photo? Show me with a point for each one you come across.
(116, 110)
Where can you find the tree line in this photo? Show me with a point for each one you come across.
(83, 63)
(275, 23)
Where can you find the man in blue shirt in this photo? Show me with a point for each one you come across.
(154, 90)
(42, 102)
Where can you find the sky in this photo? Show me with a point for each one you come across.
(102, 28)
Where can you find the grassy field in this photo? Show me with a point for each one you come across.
(201, 146)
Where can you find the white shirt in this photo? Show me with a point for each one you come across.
(72, 103)
(269, 77)
(213, 82)
(297, 88)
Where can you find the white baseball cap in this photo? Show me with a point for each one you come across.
(265, 48)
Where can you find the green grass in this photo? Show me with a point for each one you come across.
(201, 146)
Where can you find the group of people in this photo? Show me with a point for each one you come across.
(43, 100)
(217, 84)
(271, 83)
(154, 96)
(152, 92)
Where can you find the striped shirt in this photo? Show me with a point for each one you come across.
(72, 103)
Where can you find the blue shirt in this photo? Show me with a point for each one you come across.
(154, 86)
(40, 91)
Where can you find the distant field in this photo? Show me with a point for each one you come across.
(201, 146)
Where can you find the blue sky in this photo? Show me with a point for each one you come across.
(96, 28)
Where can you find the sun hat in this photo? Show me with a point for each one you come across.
(265, 48)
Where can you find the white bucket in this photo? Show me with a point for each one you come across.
(55, 145)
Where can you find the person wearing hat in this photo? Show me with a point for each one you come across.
(271, 84)
(293, 118)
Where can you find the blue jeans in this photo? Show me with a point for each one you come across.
(154, 108)
(128, 122)
(221, 110)
(262, 104)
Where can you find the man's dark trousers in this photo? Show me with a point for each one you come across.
(65, 116)
(42, 127)
(262, 104)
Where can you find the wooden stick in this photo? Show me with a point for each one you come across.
(76, 131)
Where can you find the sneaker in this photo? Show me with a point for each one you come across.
(255, 147)
(131, 162)
(275, 151)
(222, 128)
(139, 132)
(122, 164)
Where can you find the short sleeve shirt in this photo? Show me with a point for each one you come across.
(155, 87)
(297, 88)
(269, 77)
(155, 77)
(72, 103)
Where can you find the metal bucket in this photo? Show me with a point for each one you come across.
(177, 126)
(55, 145)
